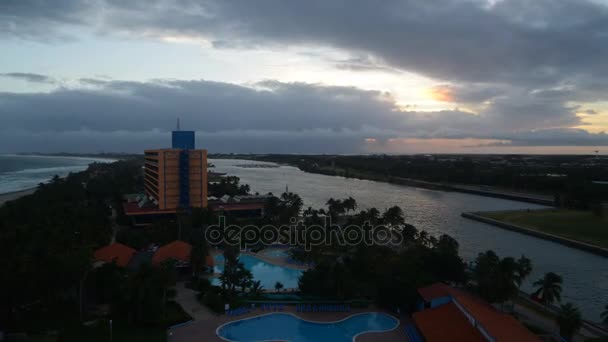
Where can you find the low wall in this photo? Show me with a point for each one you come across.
(561, 240)
(480, 192)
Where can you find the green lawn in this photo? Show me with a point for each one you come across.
(577, 225)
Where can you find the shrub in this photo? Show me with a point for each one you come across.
(213, 301)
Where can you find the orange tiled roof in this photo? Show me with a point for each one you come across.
(117, 252)
(209, 261)
(446, 323)
(436, 290)
(501, 326)
(178, 250)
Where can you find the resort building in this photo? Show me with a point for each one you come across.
(116, 252)
(450, 314)
(240, 206)
(178, 251)
(176, 177)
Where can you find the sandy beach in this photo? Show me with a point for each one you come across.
(14, 195)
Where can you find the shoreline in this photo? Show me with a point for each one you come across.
(94, 158)
(13, 195)
(462, 188)
(583, 246)
(474, 190)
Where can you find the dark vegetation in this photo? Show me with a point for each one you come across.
(48, 281)
(568, 178)
(48, 239)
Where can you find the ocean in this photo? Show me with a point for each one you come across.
(22, 172)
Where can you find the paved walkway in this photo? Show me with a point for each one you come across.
(187, 299)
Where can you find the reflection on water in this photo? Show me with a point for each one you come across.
(266, 273)
(585, 275)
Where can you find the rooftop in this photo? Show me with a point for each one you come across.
(176, 250)
(133, 209)
(446, 323)
(116, 252)
(501, 326)
(436, 290)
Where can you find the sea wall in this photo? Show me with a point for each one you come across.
(551, 237)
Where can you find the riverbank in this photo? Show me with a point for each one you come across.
(439, 212)
(479, 216)
(579, 225)
(486, 191)
(10, 196)
(481, 191)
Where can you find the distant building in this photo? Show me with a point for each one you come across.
(177, 177)
(240, 206)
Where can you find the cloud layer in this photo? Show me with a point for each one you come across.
(269, 116)
(522, 69)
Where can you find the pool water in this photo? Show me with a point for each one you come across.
(287, 327)
(276, 253)
(266, 273)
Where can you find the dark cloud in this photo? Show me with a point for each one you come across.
(42, 20)
(36, 78)
(553, 137)
(514, 41)
(270, 116)
(524, 66)
(361, 63)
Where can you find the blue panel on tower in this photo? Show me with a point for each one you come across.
(182, 139)
(184, 179)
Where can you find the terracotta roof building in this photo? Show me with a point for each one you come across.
(176, 250)
(116, 252)
(454, 315)
(446, 323)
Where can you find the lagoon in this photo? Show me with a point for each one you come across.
(438, 212)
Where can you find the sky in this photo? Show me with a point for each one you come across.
(315, 76)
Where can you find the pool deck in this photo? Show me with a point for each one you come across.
(204, 330)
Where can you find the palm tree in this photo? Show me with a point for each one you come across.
(335, 208)
(278, 286)
(198, 257)
(423, 238)
(350, 204)
(524, 268)
(256, 288)
(549, 288)
(373, 214)
(393, 216)
(309, 211)
(604, 315)
(569, 321)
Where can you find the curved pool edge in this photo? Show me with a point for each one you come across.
(397, 323)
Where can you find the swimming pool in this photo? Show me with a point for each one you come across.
(288, 327)
(276, 253)
(266, 273)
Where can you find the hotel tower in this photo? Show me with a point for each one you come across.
(177, 177)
